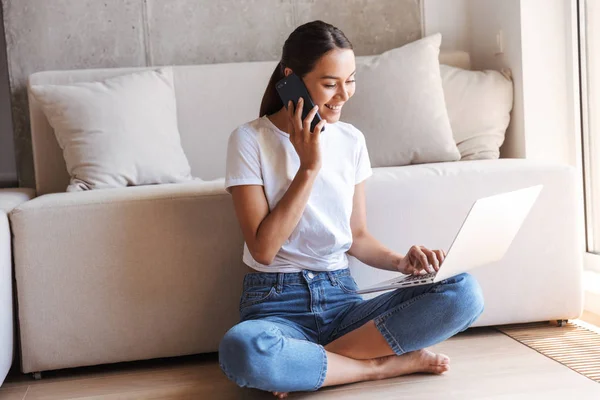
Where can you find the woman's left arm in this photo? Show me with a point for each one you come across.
(365, 247)
(371, 252)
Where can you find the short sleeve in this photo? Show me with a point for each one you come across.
(243, 160)
(363, 163)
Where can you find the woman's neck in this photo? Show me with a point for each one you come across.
(280, 120)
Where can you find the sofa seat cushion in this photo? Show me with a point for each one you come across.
(161, 266)
(426, 205)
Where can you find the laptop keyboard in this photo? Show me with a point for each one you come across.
(419, 277)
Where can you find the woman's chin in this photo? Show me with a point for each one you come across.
(331, 118)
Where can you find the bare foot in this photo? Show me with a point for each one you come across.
(410, 363)
(280, 395)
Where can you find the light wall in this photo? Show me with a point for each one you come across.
(451, 18)
(538, 45)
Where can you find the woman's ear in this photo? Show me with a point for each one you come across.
(287, 72)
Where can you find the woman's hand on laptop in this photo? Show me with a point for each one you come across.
(419, 260)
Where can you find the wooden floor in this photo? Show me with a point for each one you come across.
(486, 364)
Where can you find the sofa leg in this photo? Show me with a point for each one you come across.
(562, 322)
(37, 376)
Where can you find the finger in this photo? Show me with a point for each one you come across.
(290, 114)
(422, 260)
(437, 254)
(298, 111)
(306, 123)
(441, 256)
(298, 118)
(310, 116)
(413, 261)
(433, 260)
(318, 128)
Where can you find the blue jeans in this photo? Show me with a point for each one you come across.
(287, 318)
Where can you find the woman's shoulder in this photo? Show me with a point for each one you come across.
(350, 130)
(251, 127)
(250, 130)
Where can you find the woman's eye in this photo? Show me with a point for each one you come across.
(352, 81)
(330, 86)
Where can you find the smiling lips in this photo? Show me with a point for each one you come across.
(334, 107)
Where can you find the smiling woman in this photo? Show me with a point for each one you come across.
(299, 197)
(322, 56)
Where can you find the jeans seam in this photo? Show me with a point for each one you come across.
(248, 303)
(226, 372)
(402, 306)
(343, 287)
(381, 320)
(382, 316)
(323, 373)
(398, 350)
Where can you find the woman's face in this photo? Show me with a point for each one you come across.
(331, 82)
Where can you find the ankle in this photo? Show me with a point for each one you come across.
(375, 369)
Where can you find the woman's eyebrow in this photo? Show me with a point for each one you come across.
(334, 77)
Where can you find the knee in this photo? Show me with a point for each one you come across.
(469, 302)
(246, 353)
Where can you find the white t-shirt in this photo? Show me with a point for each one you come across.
(258, 153)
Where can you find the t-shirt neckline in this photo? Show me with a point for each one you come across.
(274, 127)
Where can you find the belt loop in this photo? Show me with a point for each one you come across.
(279, 285)
(332, 278)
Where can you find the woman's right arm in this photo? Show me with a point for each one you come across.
(264, 231)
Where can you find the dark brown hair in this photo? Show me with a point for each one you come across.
(301, 51)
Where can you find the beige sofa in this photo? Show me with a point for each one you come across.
(9, 199)
(155, 271)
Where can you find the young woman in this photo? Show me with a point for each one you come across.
(300, 199)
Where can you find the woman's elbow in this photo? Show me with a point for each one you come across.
(264, 257)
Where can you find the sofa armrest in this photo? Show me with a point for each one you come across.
(134, 273)
(127, 194)
(11, 198)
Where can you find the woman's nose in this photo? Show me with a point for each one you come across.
(343, 94)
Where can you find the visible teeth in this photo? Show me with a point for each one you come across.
(333, 107)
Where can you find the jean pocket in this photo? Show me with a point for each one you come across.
(347, 284)
(256, 295)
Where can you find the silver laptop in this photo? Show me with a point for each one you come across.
(484, 237)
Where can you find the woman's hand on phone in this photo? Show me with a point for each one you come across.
(305, 142)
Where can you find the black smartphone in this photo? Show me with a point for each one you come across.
(292, 88)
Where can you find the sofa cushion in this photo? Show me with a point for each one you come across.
(400, 108)
(427, 204)
(157, 271)
(479, 105)
(118, 132)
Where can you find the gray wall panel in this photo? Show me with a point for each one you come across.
(208, 31)
(373, 26)
(8, 167)
(70, 34)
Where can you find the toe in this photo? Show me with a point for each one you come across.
(443, 359)
(440, 369)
